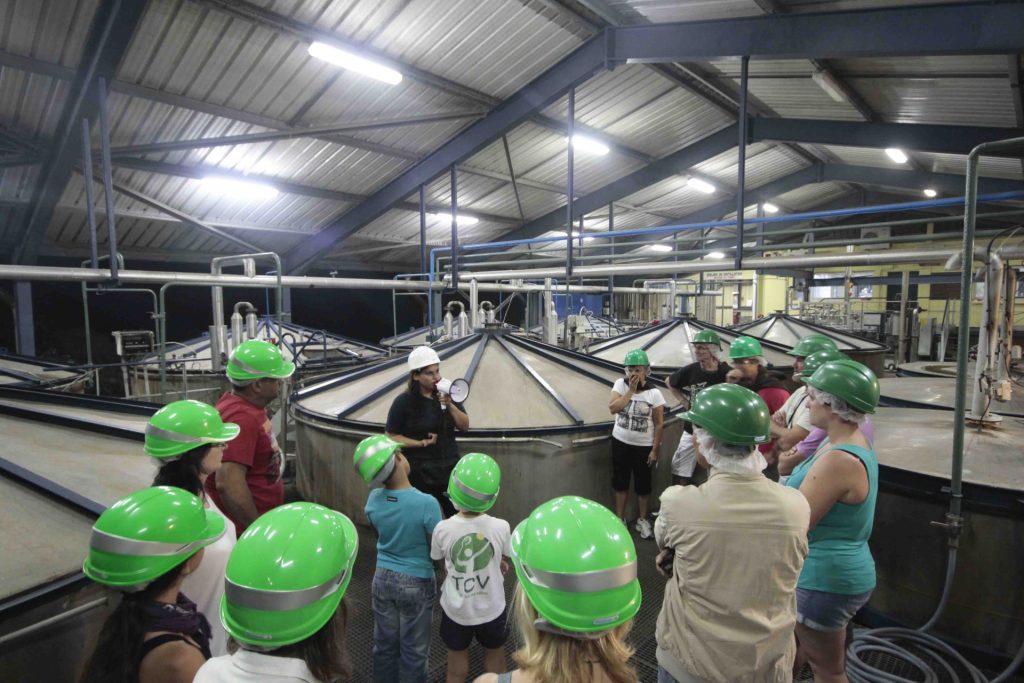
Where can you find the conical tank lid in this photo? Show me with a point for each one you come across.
(786, 331)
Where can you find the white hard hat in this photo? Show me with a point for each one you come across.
(421, 357)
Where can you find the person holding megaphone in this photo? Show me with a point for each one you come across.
(424, 419)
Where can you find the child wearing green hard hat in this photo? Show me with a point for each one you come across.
(472, 546)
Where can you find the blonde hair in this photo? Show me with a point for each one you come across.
(550, 658)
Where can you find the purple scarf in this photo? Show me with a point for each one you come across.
(182, 617)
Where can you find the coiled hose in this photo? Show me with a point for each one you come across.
(900, 644)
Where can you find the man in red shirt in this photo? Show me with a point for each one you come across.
(248, 482)
(747, 356)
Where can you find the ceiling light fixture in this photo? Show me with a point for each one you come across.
(770, 208)
(716, 254)
(238, 189)
(897, 155)
(353, 62)
(585, 144)
(461, 220)
(659, 247)
(929, 192)
(701, 185)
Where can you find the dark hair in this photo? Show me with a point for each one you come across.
(412, 386)
(184, 472)
(324, 652)
(117, 656)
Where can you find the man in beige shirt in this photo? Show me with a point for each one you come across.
(737, 546)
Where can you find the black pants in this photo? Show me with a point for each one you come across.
(428, 480)
(630, 461)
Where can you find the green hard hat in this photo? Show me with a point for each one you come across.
(374, 459)
(577, 565)
(147, 534)
(183, 425)
(745, 347)
(707, 337)
(819, 358)
(731, 413)
(474, 483)
(812, 343)
(287, 574)
(636, 357)
(850, 381)
(258, 359)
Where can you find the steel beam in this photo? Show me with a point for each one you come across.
(576, 68)
(955, 29)
(945, 183)
(26, 336)
(908, 136)
(109, 36)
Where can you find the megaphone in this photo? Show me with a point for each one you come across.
(457, 389)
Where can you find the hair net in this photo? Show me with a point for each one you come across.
(838, 405)
(729, 457)
(713, 349)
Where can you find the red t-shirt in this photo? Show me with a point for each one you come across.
(254, 447)
(774, 397)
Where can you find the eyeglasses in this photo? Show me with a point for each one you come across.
(744, 361)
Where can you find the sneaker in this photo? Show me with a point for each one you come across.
(644, 527)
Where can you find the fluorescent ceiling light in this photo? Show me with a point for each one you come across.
(929, 192)
(659, 247)
(238, 189)
(563, 234)
(585, 144)
(897, 155)
(830, 85)
(770, 208)
(353, 62)
(701, 185)
(461, 219)
(716, 254)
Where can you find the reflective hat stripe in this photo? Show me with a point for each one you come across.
(374, 450)
(244, 367)
(583, 582)
(483, 497)
(154, 431)
(383, 474)
(119, 545)
(281, 601)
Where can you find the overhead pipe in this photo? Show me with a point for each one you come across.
(248, 262)
(90, 208)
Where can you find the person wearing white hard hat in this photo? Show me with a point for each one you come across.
(424, 421)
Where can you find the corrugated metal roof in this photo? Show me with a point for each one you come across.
(973, 101)
(51, 31)
(660, 12)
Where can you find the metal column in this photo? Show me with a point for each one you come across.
(423, 229)
(26, 334)
(90, 208)
(741, 167)
(904, 295)
(570, 126)
(455, 227)
(611, 245)
(108, 183)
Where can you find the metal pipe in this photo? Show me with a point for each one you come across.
(248, 261)
(455, 227)
(741, 165)
(474, 304)
(611, 255)
(90, 209)
(50, 621)
(904, 295)
(423, 229)
(570, 196)
(108, 181)
(987, 338)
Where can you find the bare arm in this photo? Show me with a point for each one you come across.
(234, 493)
(835, 477)
(658, 416)
(412, 443)
(786, 438)
(460, 418)
(618, 401)
(174, 662)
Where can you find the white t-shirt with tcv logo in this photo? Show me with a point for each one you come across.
(634, 424)
(472, 548)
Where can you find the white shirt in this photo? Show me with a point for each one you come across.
(633, 424)
(205, 585)
(472, 547)
(246, 666)
(797, 410)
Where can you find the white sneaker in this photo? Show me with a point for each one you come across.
(644, 527)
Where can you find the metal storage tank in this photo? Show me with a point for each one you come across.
(592, 326)
(927, 368)
(66, 458)
(539, 410)
(986, 608)
(786, 331)
(190, 373)
(669, 348)
(939, 392)
(26, 371)
(406, 341)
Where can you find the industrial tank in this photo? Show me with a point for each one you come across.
(65, 459)
(786, 331)
(26, 371)
(190, 372)
(986, 608)
(669, 345)
(940, 393)
(926, 368)
(539, 410)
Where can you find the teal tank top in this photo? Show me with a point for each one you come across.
(839, 559)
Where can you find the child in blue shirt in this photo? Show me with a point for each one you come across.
(403, 584)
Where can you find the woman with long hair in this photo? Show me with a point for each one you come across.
(186, 439)
(578, 593)
(423, 421)
(283, 605)
(145, 546)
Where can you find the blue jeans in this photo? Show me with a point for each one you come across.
(402, 610)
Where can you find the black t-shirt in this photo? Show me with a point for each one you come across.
(691, 378)
(415, 417)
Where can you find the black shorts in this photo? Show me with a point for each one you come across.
(629, 461)
(458, 637)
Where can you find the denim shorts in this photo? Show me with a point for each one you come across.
(821, 611)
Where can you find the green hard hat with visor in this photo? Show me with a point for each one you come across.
(287, 575)
(474, 482)
(181, 426)
(731, 413)
(849, 380)
(577, 565)
(811, 344)
(374, 459)
(257, 359)
(147, 534)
